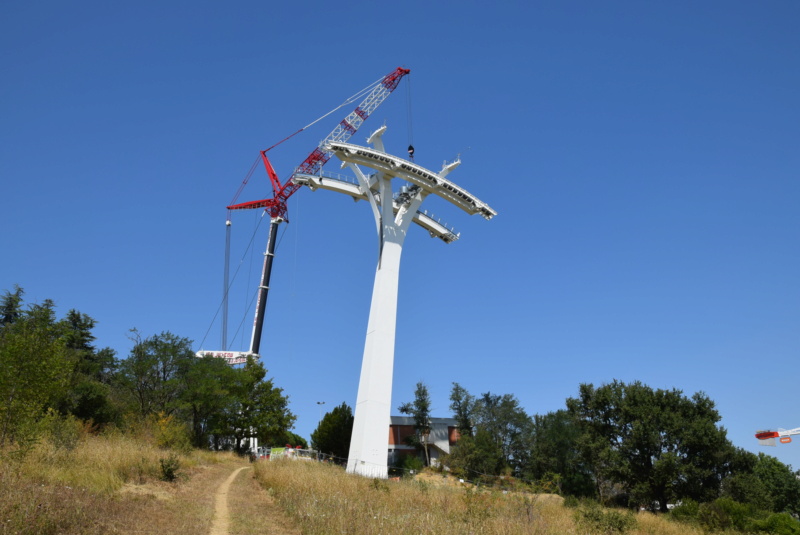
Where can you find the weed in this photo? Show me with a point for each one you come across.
(380, 485)
(169, 468)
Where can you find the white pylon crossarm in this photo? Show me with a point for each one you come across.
(435, 228)
(366, 190)
(411, 172)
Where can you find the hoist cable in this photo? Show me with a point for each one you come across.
(235, 273)
(409, 114)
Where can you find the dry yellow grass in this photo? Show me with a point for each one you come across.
(325, 500)
(104, 463)
(108, 484)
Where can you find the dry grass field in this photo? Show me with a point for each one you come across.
(108, 484)
(323, 499)
(114, 484)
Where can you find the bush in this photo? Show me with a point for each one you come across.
(169, 468)
(687, 512)
(596, 519)
(724, 513)
(63, 432)
(171, 434)
(412, 465)
(777, 524)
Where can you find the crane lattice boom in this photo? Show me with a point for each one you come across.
(276, 206)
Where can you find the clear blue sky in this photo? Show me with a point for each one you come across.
(643, 158)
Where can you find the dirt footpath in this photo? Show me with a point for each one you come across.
(252, 511)
(221, 499)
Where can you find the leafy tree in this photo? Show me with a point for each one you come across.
(657, 445)
(207, 394)
(333, 433)
(152, 373)
(90, 391)
(507, 424)
(743, 485)
(781, 484)
(35, 365)
(290, 438)
(554, 451)
(475, 456)
(11, 306)
(259, 409)
(98, 365)
(462, 403)
(420, 410)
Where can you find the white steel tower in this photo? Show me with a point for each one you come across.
(393, 216)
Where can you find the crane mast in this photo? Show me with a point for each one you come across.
(277, 204)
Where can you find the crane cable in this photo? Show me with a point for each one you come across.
(409, 120)
(235, 273)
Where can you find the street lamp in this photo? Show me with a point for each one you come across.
(319, 422)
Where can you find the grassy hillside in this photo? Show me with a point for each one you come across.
(88, 484)
(83, 483)
(324, 499)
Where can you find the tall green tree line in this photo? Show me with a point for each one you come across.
(621, 443)
(52, 364)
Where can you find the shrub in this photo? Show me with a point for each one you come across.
(596, 519)
(63, 432)
(169, 468)
(171, 434)
(412, 465)
(777, 524)
(687, 512)
(724, 513)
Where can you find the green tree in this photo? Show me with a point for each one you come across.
(153, 372)
(657, 445)
(35, 365)
(289, 438)
(420, 411)
(11, 306)
(462, 403)
(259, 409)
(333, 433)
(554, 451)
(206, 396)
(506, 422)
(743, 485)
(475, 456)
(781, 484)
(89, 395)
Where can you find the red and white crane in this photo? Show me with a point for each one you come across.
(281, 192)
(784, 436)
